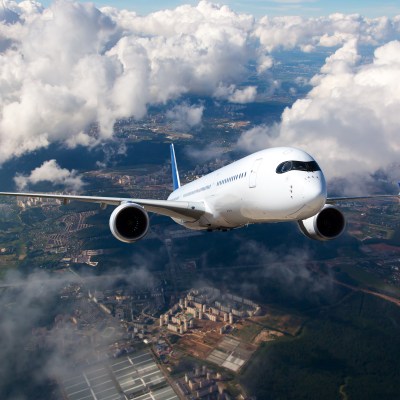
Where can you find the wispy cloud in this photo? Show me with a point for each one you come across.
(46, 337)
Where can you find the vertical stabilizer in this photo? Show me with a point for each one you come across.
(175, 174)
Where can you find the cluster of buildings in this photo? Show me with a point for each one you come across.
(26, 202)
(210, 304)
(85, 257)
(130, 305)
(153, 180)
(202, 383)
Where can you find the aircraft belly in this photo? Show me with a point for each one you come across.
(213, 218)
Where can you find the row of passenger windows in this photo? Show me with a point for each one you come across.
(232, 178)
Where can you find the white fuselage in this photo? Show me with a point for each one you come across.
(251, 190)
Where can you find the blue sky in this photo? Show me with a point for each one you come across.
(369, 8)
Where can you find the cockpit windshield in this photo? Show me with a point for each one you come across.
(307, 166)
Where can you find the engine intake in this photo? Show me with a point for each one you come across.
(328, 224)
(129, 222)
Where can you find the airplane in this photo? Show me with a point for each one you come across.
(279, 184)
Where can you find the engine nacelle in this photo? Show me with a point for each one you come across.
(129, 222)
(328, 224)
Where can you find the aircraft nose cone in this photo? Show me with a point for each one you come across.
(314, 192)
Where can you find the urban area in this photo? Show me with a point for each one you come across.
(160, 339)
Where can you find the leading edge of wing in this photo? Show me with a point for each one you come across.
(334, 200)
(186, 210)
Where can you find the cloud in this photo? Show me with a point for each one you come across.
(212, 151)
(348, 121)
(245, 95)
(68, 72)
(67, 67)
(235, 95)
(289, 32)
(47, 337)
(51, 172)
(26, 306)
(7, 15)
(185, 116)
(265, 62)
(257, 138)
(288, 267)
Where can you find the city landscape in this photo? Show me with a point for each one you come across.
(256, 313)
(92, 96)
(158, 320)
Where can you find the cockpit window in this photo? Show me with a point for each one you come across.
(307, 166)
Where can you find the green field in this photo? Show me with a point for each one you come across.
(367, 280)
(351, 350)
(248, 332)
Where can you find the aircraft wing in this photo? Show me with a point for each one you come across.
(186, 210)
(334, 200)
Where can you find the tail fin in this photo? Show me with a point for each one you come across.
(175, 174)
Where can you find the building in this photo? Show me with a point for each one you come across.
(207, 303)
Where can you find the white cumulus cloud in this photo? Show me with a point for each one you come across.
(71, 67)
(235, 95)
(245, 95)
(349, 121)
(50, 171)
(185, 116)
(290, 32)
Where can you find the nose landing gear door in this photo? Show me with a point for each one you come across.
(253, 173)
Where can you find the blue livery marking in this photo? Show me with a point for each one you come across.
(174, 168)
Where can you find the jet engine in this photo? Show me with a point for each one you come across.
(328, 224)
(129, 222)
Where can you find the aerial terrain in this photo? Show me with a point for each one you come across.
(91, 98)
